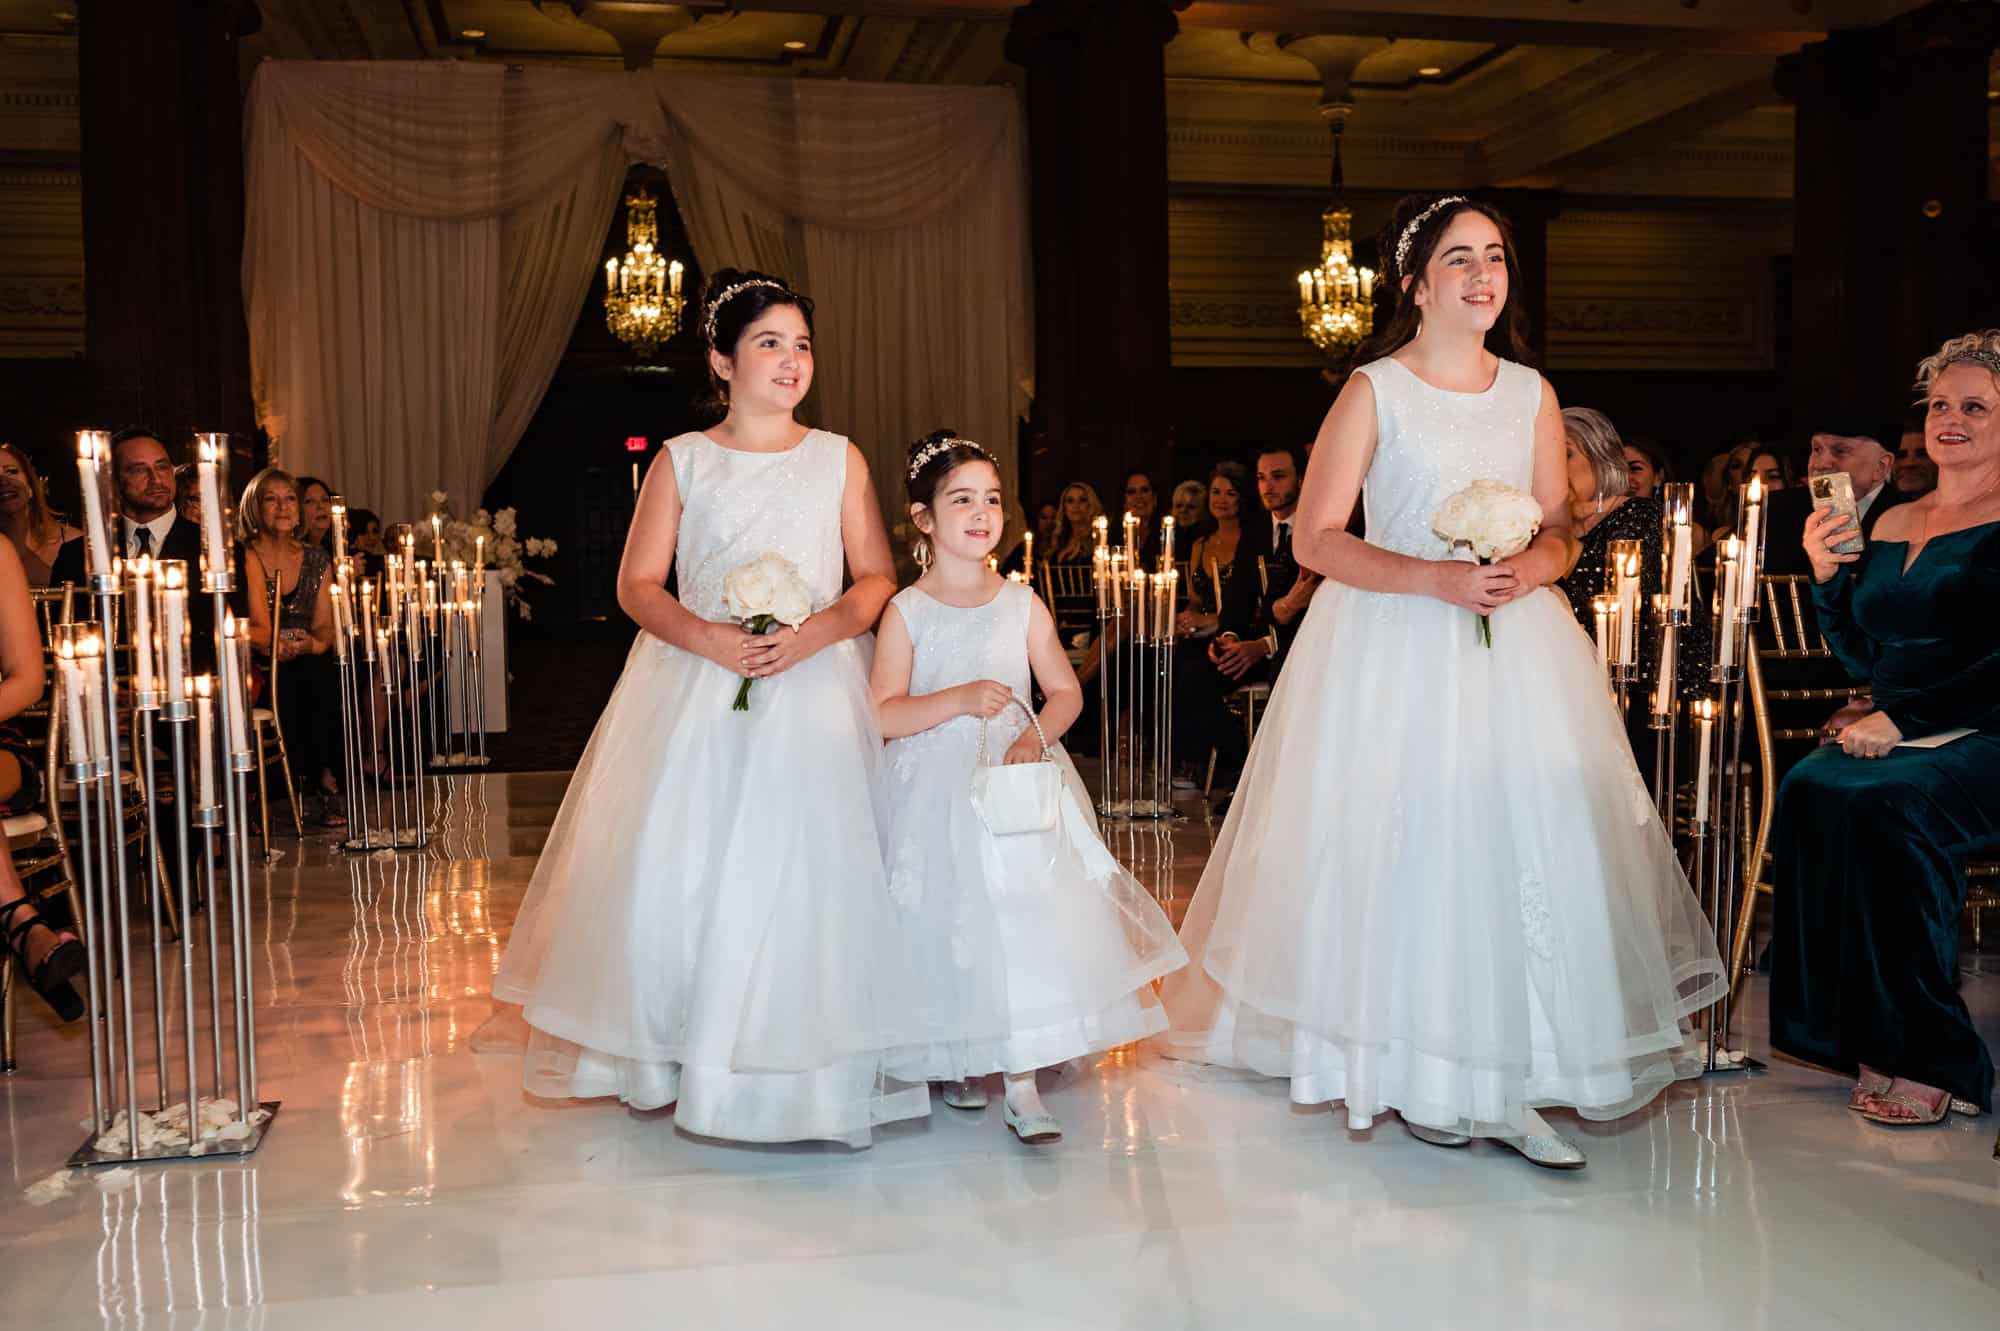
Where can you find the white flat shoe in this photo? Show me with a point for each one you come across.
(1034, 1129)
(968, 1094)
(1550, 1150)
(1437, 1136)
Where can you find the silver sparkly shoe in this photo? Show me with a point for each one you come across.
(1034, 1129)
(967, 1094)
(1437, 1136)
(1550, 1150)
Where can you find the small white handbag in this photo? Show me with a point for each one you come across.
(1017, 798)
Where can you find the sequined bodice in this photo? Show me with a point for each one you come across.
(1431, 443)
(955, 645)
(736, 506)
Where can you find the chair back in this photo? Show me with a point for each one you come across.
(1794, 684)
(1070, 593)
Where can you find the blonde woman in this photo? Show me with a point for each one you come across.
(26, 518)
(281, 570)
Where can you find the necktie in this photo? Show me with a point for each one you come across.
(142, 541)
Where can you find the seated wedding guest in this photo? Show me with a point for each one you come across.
(278, 565)
(1849, 442)
(1773, 469)
(1602, 511)
(366, 542)
(1190, 507)
(1221, 613)
(149, 524)
(1076, 538)
(1870, 838)
(1915, 473)
(1142, 502)
(46, 957)
(316, 512)
(1649, 467)
(1286, 589)
(37, 533)
(1048, 518)
(1711, 495)
(187, 493)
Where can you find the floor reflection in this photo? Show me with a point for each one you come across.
(409, 1172)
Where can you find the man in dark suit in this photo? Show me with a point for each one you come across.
(148, 524)
(1851, 444)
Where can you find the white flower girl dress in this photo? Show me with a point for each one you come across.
(1442, 886)
(709, 922)
(1030, 950)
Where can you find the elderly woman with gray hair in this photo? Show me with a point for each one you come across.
(1602, 509)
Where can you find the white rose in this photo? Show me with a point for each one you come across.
(791, 605)
(503, 522)
(747, 591)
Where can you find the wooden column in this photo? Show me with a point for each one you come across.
(162, 113)
(1889, 202)
(1097, 145)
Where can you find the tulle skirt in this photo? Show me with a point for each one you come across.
(1442, 886)
(1029, 949)
(709, 923)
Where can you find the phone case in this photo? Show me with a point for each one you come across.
(1836, 491)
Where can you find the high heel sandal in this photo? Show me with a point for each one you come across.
(1921, 1113)
(50, 979)
(1866, 1086)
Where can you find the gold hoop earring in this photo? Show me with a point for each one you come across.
(921, 551)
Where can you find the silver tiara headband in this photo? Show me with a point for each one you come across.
(1410, 229)
(931, 450)
(727, 294)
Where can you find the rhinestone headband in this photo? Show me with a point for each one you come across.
(931, 450)
(728, 294)
(1410, 229)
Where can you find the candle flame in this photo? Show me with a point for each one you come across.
(1756, 491)
(228, 624)
(202, 686)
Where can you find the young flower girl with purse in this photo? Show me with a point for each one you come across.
(1032, 944)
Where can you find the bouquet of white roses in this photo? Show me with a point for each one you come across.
(762, 594)
(1493, 521)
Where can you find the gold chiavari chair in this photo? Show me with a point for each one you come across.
(1072, 598)
(267, 737)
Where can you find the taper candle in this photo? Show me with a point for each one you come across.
(204, 724)
(235, 702)
(1704, 726)
(143, 679)
(91, 447)
(210, 450)
(70, 677)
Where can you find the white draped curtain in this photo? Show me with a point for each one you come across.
(420, 236)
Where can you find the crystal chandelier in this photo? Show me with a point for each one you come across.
(642, 292)
(1336, 299)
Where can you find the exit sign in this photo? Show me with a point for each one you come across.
(636, 443)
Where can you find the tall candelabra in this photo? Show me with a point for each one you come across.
(381, 641)
(1136, 637)
(1714, 853)
(163, 1114)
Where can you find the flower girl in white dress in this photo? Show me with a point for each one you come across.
(1442, 887)
(1031, 948)
(709, 923)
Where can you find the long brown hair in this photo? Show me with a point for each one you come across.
(43, 524)
(1509, 335)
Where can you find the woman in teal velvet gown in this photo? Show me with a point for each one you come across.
(1871, 839)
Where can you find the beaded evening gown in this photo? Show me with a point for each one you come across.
(1029, 952)
(1870, 852)
(1442, 886)
(709, 922)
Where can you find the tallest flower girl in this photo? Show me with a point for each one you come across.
(1442, 887)
(709, 925)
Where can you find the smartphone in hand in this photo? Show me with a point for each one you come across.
(1835, 491)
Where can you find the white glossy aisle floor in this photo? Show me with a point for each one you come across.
(408, 1183)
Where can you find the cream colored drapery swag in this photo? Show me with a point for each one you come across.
(420, 235)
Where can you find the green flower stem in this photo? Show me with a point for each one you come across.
(757, 625)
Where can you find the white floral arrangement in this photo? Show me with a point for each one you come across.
(504, 547)
(1491, 520)
(761, 595)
